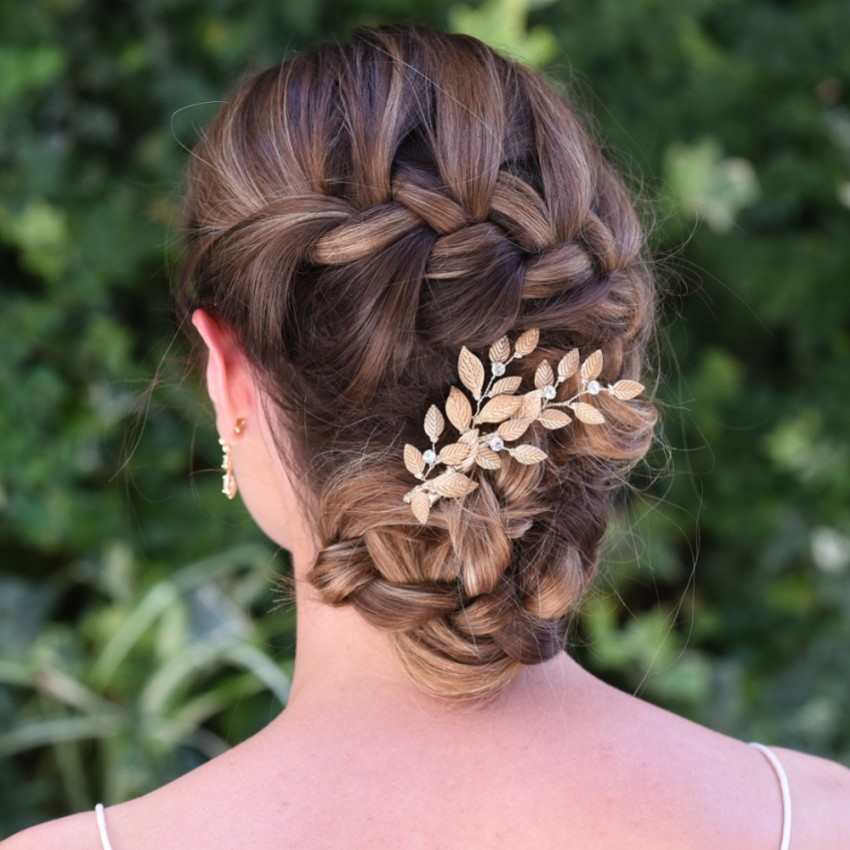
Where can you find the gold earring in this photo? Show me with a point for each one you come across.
(228, 480)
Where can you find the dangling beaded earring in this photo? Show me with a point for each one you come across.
(228, 480)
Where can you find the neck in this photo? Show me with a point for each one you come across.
(340, 659)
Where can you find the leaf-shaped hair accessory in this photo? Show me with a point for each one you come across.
(551, 419)
(568, 365)
(506, 385)
(511, 412)
(454, 453)
(588, 413)
(500, 350)
(513, 429)
(500, 408)
(528, 454)
(413, 460)
(544, 375)
(626, 389)
(527, 342)
(458, 409)
(591, 367)
(471, 372)
(434, 423)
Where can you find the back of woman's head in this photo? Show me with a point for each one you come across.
(356, 216)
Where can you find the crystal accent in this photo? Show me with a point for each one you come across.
(498, 369)
(497, 443)
(549, 392)
(593, 387)
(429, 456)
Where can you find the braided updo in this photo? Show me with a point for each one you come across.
(355, 216)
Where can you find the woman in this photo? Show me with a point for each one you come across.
(424, 308)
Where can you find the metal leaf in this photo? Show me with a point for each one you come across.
(506, 385)
(527, 342)
(434, 423)
(420, 504)
(488, 459)
(413, 460)
(471, 372)
(528, 454)
(469, 461)
(544, 376)
(454, 453)
(627, 389)
(513, 429)
(470, 437)
(499, 409)
(453, 484)
(568, 365)
(552, 418)
(588, 413)
(531, 403)
(591, 367)
(458, 409)
(500, 350)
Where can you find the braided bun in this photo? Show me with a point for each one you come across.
(357, 215)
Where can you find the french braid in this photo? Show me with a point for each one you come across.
(358, 214)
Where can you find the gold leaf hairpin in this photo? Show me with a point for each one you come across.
(512, 413)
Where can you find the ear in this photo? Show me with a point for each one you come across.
(230, 382)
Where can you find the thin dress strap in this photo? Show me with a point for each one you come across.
(786, 792)
(100, 814)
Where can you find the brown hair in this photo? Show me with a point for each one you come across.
(356, 215)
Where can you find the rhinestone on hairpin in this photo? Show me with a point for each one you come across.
(512, 413)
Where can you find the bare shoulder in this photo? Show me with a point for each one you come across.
(74, 832)
(748, 797)
(821, 773)
(820, 800)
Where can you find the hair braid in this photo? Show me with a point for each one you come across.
(356, 216)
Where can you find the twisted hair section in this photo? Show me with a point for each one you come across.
(356, 215)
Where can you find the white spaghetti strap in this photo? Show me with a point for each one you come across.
(100, 814)
(786, 792)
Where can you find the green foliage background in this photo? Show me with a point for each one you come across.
(135, 638)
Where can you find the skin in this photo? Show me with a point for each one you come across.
(361, 758)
